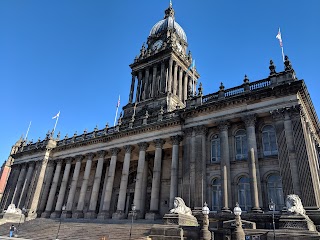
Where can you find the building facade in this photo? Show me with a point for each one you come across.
(249, 144)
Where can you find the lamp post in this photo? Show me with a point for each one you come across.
(133, 212)
(205, 227)
(63, 209)
(238, 233)
(272, 207)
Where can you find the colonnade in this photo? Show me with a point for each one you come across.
(64, 176)
(168, 76)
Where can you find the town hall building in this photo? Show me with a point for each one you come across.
(248, 144)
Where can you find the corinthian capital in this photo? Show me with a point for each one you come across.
(128, 148)
(223, 126)
(143, 146)
(115, 151)
(188, 132)
(250, 120)
(201, 130)
(175, 140)
(159, 143)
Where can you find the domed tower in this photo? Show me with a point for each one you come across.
(161, 77)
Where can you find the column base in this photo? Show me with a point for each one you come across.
(152, 216)
(66, 214)
(104, 214)
(226, 210)
(256, 209)
(77, 214)
(119, 215)
(45, 214)
(91, 214)
(55, 214)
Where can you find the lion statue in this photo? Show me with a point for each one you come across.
(180, 207)
(294, 205)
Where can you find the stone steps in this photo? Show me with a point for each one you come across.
(44, 229)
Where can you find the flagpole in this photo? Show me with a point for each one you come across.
(282, 54)
(115, 118)
(27, 131)
(55, 125)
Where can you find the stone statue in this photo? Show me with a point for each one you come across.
(180, 207)
(294, 205)
(12, 209)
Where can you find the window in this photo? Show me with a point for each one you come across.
(275, 192)
(244, 193)
(269, 141)
(216, 194)
(215, 149)
(241, 145)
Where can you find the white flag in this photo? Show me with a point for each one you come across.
(58, 114)
(279, 38)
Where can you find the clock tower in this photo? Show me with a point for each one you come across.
(162, 79)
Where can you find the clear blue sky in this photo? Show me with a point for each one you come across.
(73, 56)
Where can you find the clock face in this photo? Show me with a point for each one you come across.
(157, 45)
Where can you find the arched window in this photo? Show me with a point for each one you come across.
(269, 141)
(241, 145)
(215, 149)
(216, 194)
(275, 192)
(244, 193)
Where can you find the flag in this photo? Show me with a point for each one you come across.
(192, 65)
(58, 114)
(118, 103)
(279, 37)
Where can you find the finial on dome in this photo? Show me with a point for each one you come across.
(169, 12)
(170, 3)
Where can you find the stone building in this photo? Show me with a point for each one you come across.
(248, 144)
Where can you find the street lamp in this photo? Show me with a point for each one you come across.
(239, 233)
(272, 207)
(133, 212)
(205, 227)
(63, 209)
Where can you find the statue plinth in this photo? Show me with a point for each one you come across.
(296, 222)
(180, 219)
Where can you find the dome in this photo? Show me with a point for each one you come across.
(168, 23)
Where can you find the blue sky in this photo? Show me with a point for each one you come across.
(73, 56)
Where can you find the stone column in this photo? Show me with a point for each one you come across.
(139, 179)
(72, 192)
(79, 212)
(154, 81)
(192, 172)
(105, 213)
(146, 83)
(13, 178)
(253, 163)
(132, 87)
(185, 87)
(180, 85)
(120, 214)
(156, 181)
(169, 89)
(175, 80)
(19, 185)
(144, 187)
(95, 188)
(33, 212)
(26, 184)
(138, 87)
(186, 190)
(175, 140)
(46, 188)
(225, 167)
(162, 79)
(62, 191)
(53, 190)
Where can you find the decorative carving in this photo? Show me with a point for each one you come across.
(180, 207)
(90, 156)
(128, 148)
(287, 64)
(101, 153)
(201, 130)
(79, 158)
(272, 68)
(143, 146)
(188, 132)
(200, 90)
(249, 120)
(115, 151)
(294, 204)
(159, 143)
(175, 140)
(223, 126)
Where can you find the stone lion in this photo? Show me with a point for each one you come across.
(294, 204)
(180, 207)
